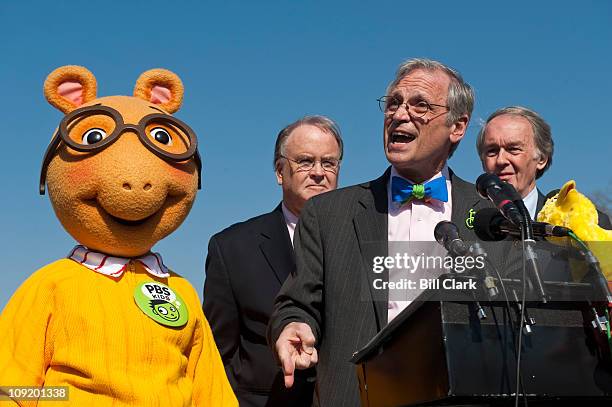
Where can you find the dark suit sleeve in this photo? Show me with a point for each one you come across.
(604, 220)
(301, 296)
(219, 304)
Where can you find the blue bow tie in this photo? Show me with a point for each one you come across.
(403, 191)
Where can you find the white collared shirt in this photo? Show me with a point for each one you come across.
(531, 202)
(115, 266)
(413, 221)
(290, 219)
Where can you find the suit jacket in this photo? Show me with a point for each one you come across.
(245, 268)
(331, 287)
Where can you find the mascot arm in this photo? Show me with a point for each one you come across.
(25, 350)
(210, 384)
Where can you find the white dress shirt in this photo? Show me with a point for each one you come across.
(531, 202)
(413, 221)
(290, 219)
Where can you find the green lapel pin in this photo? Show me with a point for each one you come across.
(469, 222)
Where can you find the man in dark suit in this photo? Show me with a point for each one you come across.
(329, 308)
(248, 262)
(516, 144)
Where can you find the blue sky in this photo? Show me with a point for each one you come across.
(249, 68)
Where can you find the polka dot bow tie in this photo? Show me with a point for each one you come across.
(403, 191)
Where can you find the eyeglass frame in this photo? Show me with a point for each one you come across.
(383, 101)
(314, 162)
(120, 127)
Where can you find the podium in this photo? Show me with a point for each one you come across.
(439, 353)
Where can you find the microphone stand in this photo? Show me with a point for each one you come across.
(530, 256)
(492, 291)
(530, 253)
(488, 280)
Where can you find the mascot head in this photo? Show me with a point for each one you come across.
(122, 173)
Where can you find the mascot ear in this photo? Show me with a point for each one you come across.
(160, 87)
(68, 87)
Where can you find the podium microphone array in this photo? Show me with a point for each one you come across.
(511, 206)
(510, 218)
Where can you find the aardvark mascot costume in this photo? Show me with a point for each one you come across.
(111, 323)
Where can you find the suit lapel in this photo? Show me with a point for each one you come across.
(466, 202)
(541, 202)
(276, 245)
(372, 235)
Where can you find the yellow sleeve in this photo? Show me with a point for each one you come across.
(25, 343)
(210, 384)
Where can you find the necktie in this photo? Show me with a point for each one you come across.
(403, 191)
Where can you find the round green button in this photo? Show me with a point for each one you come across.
(160, 303)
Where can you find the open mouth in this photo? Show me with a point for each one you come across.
(398, 137)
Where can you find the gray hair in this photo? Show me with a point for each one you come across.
(323, 123)
(460, 97)
(542, 135)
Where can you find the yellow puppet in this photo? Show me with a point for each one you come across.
(571, 209)
(111, 324)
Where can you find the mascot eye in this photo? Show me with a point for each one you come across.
(93, 136)
(163, 311)
(161, 136)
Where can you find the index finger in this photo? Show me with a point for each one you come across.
(288, 365)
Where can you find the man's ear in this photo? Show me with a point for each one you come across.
(542, 161)
(160, 87)
(459, 128)
(278, 171)
(69, 87)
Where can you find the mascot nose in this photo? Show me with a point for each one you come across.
(132, 198)
(128, 186)
(144, 190)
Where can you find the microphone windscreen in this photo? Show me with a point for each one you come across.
(444, 231)
(510, 191)
(484, 182)
(484, 224)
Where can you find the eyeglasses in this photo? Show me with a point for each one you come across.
(307, 164)
(390, 104)
(92, 128)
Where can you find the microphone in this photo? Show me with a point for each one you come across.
(490, 187)
(490, 225)
(527, 223)
(447, 234)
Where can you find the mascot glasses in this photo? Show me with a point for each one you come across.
(93, 128)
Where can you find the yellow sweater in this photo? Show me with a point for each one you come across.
(69, 326)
